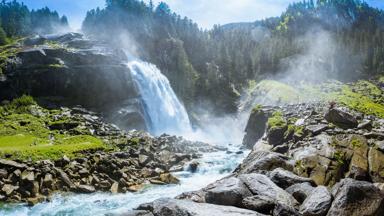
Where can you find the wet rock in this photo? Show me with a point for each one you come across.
(255, 127)
(65, 179)
(354, 198)
(300, 191)
(261, 185)
(8, 163)
(341, 118)
(284, 210)
(168, 178)
(259, 203)
(376, 165)
(193, 166)
(195, 196)
(85, 189)
(168, 207)
(229, 191)
(114, 187)
(367, 124)
(144, 159)
(3, 173)
(275, 135)
(263, 161)
(8, 189)
(284, 178)
(136, 213)
(317, 203)
(358, 168)
(28, 176)
(48, 181)
(317, 129)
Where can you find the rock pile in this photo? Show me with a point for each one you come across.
(327, 163)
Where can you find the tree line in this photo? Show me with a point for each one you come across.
(17, 20)
(214, 65)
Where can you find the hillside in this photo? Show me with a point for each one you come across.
(339, 39)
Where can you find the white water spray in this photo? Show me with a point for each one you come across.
(164, 111)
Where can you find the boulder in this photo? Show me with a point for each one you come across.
(317, 203)
(168, 178)
(3, 173)
(136, 213)
(317, 129)
(173, 207)
(376, 165)
(341, 118)
(259, 161)
(8, 163)
(255, 127)
(65, 179)
(284, 178)
(259, 203)
(85, 189)
(284, 210)
(300, 191)
(356, 198)
(193, 166)
(229, 191)
(260, 184)
(358, 167)
(114, 188)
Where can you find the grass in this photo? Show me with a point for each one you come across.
(26, 147)
(25, 136)
(8, 51)
(358, 102)
(362, 96)
(276, 121)
(278, 91)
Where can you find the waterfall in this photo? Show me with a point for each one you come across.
(164, 112)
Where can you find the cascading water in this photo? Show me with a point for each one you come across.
(164, 111)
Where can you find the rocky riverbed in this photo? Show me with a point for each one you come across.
(44, 157)
(306, 159)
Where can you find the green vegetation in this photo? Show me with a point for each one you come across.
(356, 143)
(25, 133)
(26, 147)
(17, 20)
(257, 108)
(358, 101)
(238, 54)
(9, 50)
(362, 96)
(278, 91)
(339, 156)
(276, 121)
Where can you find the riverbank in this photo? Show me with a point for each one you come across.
(73, 150)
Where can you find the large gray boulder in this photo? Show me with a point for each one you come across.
(284, 178)
(259, 161)
(260, 203)
(317, 203)
(356, 198)
(260, 184)
(173, 207)
(341, 118)
(229, 191)
(255, 127)
(300, 191)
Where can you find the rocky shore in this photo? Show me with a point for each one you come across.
(126, 161)
(307, 159)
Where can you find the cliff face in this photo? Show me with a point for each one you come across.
(71, 70)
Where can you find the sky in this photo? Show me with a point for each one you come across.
(204, 12)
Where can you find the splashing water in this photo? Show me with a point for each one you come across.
(164, 111)
(213, 166)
